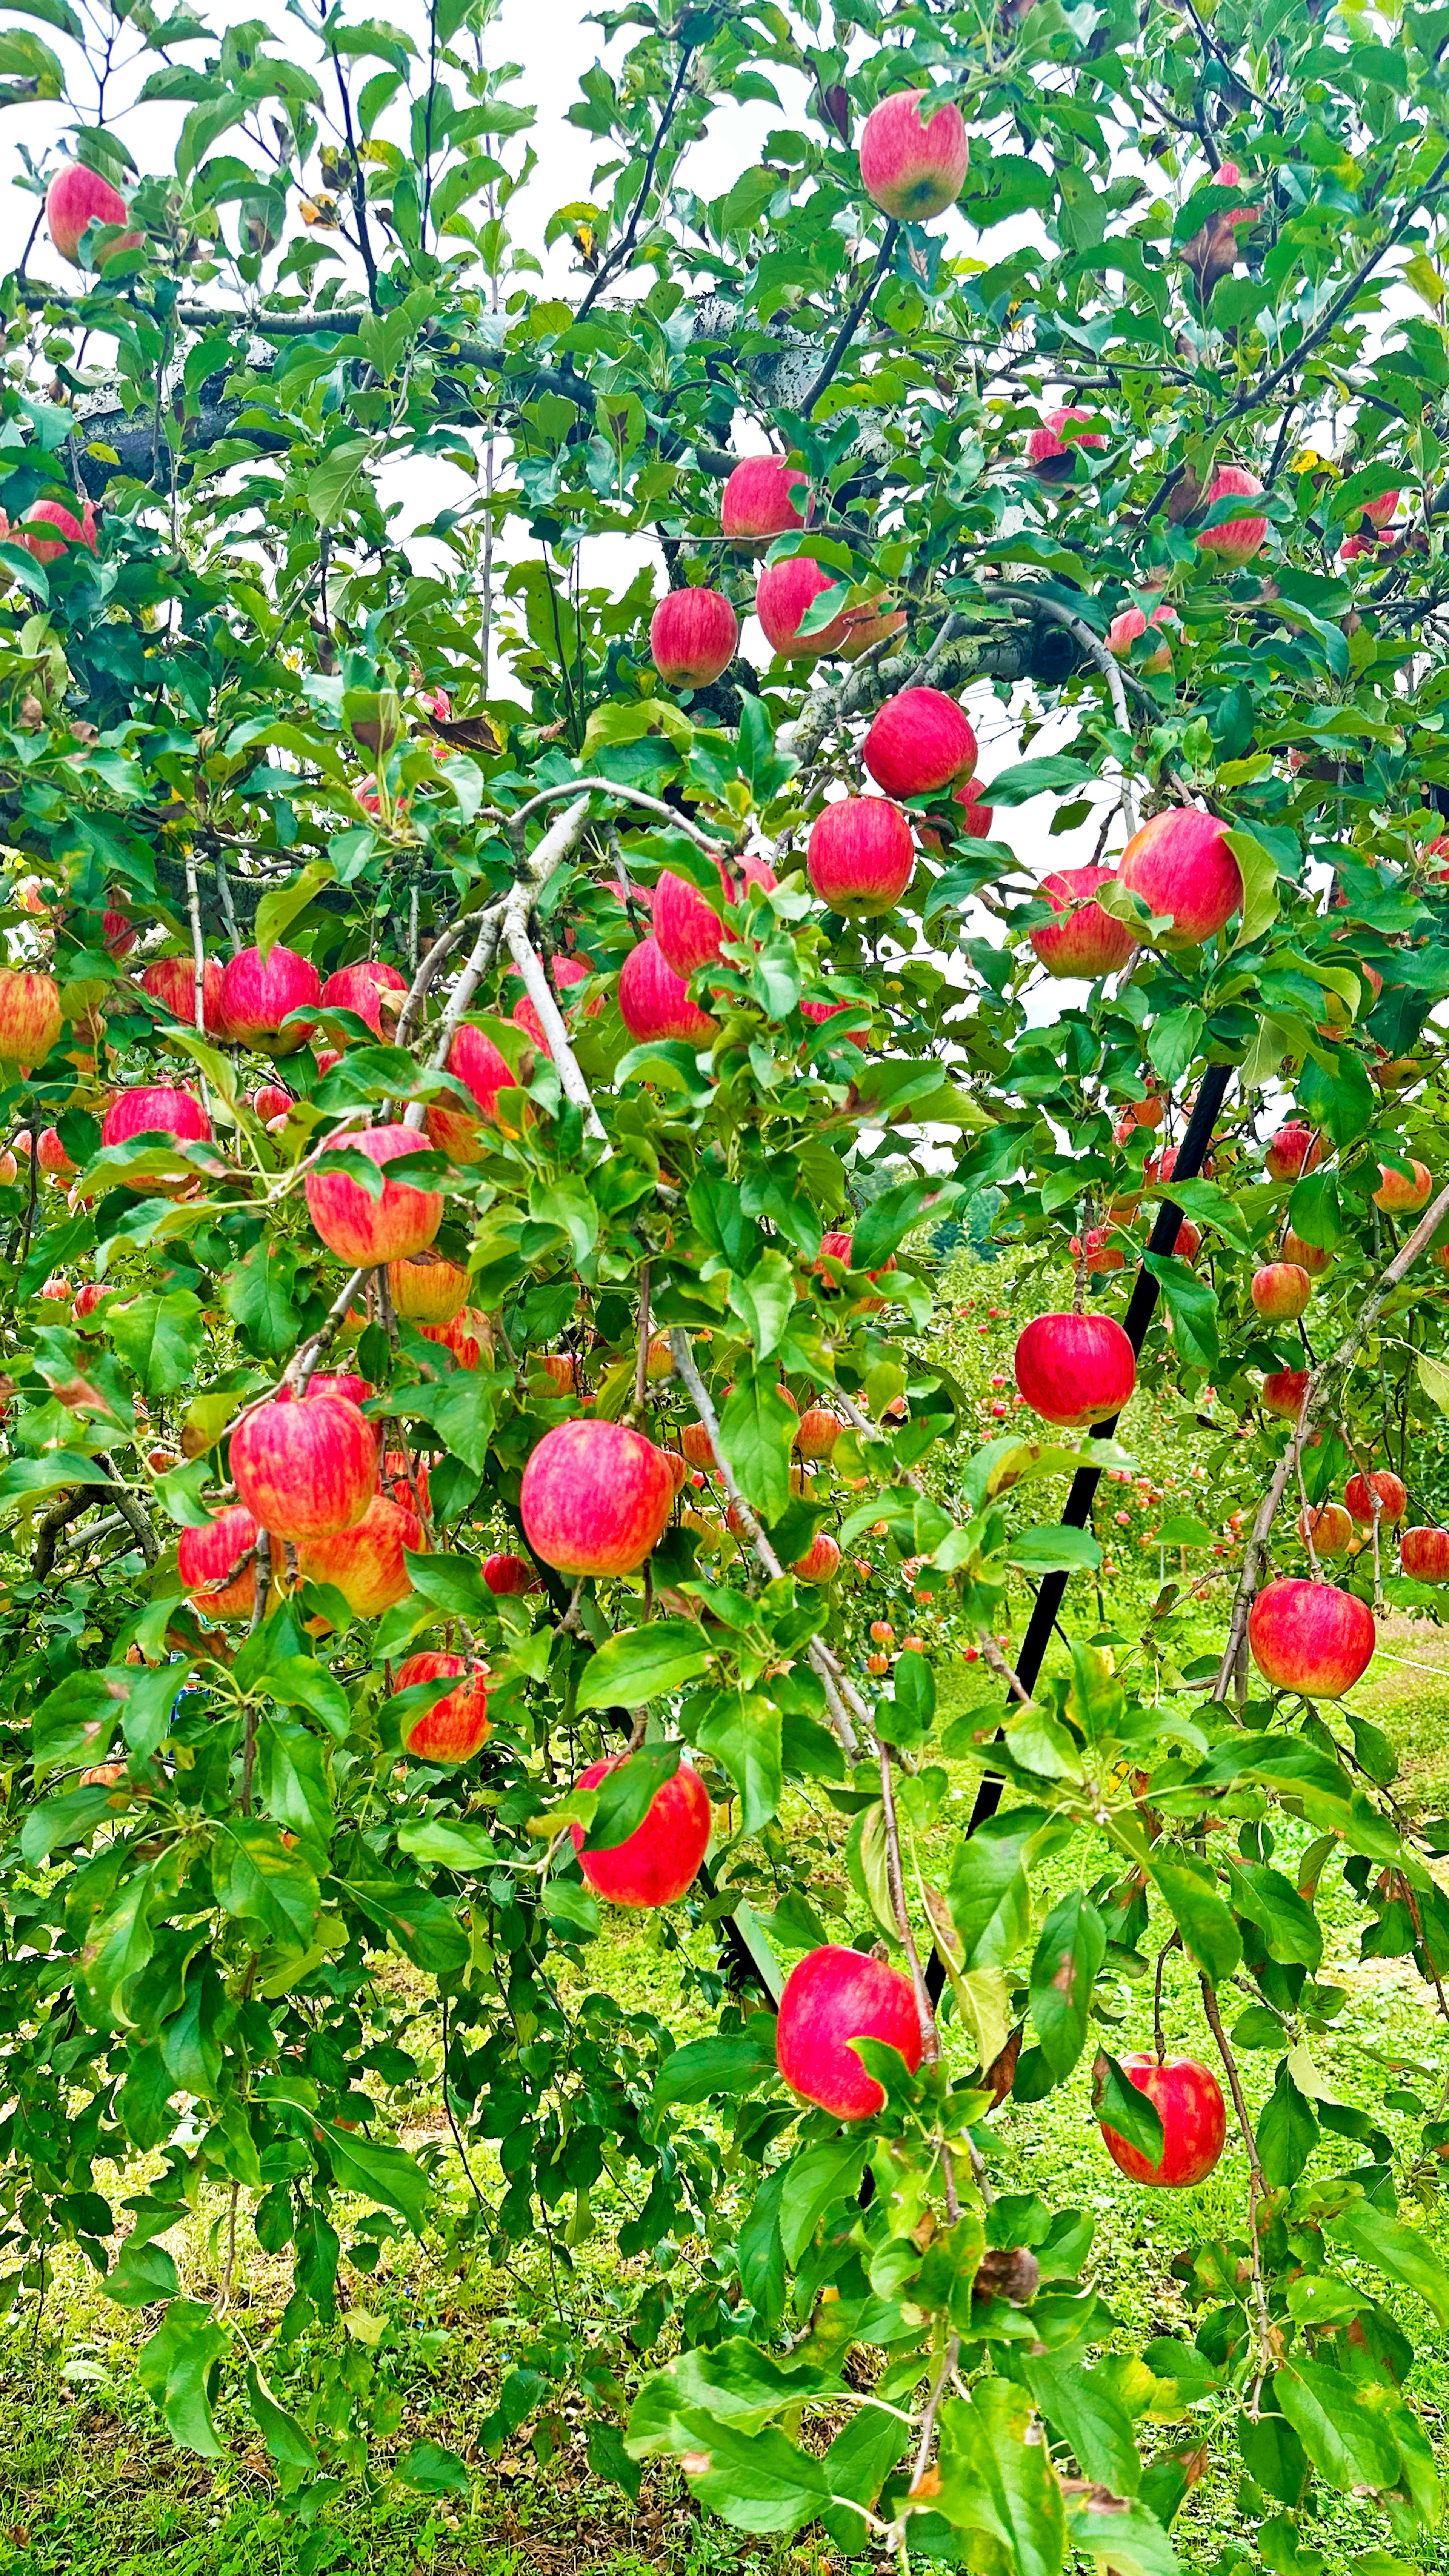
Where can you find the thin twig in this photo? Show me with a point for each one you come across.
(851, 323)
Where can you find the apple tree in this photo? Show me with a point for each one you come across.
(509, 952)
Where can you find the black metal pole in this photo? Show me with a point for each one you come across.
(1191, 1155)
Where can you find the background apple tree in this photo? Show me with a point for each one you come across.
(310, 656)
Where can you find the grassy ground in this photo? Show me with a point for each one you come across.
(90, 2485)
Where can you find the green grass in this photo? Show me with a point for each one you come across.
(91, 2485)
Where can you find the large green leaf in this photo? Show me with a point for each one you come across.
(642, 1664)
(1071, 1949)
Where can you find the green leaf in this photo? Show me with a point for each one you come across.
(282, 905)
(257, 1295)
(1210, 1936)
(1121, 2536)
(757, 1432)
(1346, 2442)
(449, 1842)
(1288, 1924)
(815, 2180)
(997, 2478)
(259, 1880)
(1120, 2106)
(624, 1796)
(290, 2446)
(140, 2276)
(1053, 774)
(989, 1893)
(178, 2370)
(1174, 1039)
(1341, 1101)
(744, 1731)
(1392, 2246)
(380, 2173)
(431, 2471)
(643, 1664)
(1192, 1306)
(1085, 2411)
(1287, 2134)
(726, 2067)
(1071, 1949)
(765, 1302)
(1260, 886)
(1055, 1550)
(756, 2482)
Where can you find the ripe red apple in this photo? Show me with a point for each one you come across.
(217, 1567)
(838, 1246)
(595, 1498)
(507, 1577)
(817, 1013)
(360, 1228)
(821, 1561)
(305, 1470)
(54, 1161)
(654, 1002)
(1329, 1527)
(868, 624)
(692, 636)
(30, 1016)
(690, 934)
(1050, 454)
(861, 855)
(427, 1289)
(468, 1335)
(918, 741)
(819, 1430)
(1306, 1256)
(1280, 1291)
(119, 932)
(365, 1563)
(1075, 1369)
(975, 820)
(70, 530)
(453, 1729)
(1283, 1392)
(1237, 540)
(374, 992)
(171, 981)
(1310, 1637)
(1189, 2102)
(257, 994)
(155, 1109)
(475, 1061)
(759, 499)
(91, 1295)
(1181, 866)
(1097, 1252)
(1129, 623)
(910, 169)
(662, 1855)
(77, 197)
(833, 1996)
(1424, 1553)
(784, 592)
(357, 1390)
(1393, 1499)
(1293, 1150)
(271, 1101)
(1084, 940)
(1397, 1195)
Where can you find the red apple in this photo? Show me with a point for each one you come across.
(1329, 1527)
(817, 1013)
(270, 1102)
(119, 932)
(919, 740)
(305, 1470)
(474, 1061)
(70, 530)
(866, 625)
(360, 1228)
(1393, 1499)
(1284, 1391)
(689, 932)
(976, 821)
(1294, 1149)
(171, 981)
(509, 1576)
(654, 1001)
(759, 498)
(406, 1480)
(30, 1017)
(784, 593)
(1424, 1553)
(661, 1857)
(861, 855)
(1397, 1195)
(365, 1562)
(1181, 866)
(821, 1561)
(87, 1298)
(54, 1161)
(1280, 1291)
(1310, 1637)
(595, 1498)
(357, 1390)
(819, 1430)
(217, 1564)
(155, 1109)
(1237, 540)
(1050, 454)
(692, 636)
(1084, 940)
(1129, 623)
(453, 1729)
(833, 1996)
(468, 1335)
(1075, 1369)
(258, 993)
(909, 168)
(426, 1289)
(838, 1246)
(562, 972)
(77, 197)
(1098, 1253)
(1189, 2102)
(1306, 1256)
(372, 991)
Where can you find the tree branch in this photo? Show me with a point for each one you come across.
(619, 257)
(851, 323)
